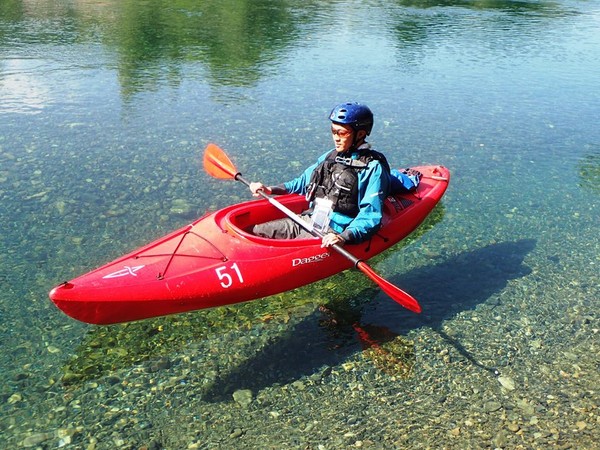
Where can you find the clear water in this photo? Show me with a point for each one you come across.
(105, 107)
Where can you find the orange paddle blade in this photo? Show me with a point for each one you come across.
(217, 163)
(394, 292)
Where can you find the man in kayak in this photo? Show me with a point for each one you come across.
(346, 186)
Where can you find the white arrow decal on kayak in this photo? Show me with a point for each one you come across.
(124, 272)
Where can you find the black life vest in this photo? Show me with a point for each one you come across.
(336, 178)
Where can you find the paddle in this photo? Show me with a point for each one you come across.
(218, 165)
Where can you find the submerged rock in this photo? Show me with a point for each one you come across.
(507, 383)
(243, 397)
(180, 207)
(34, 440)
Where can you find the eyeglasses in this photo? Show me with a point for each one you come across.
(342, 132)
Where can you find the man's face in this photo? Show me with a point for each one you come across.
(343, 136)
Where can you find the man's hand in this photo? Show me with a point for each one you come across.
(255, 187)
(331, 239)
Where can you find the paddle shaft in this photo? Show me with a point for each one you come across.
(304, 224)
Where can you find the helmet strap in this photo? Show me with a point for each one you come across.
(355, 142)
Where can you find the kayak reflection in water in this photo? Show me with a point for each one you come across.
(346, 186)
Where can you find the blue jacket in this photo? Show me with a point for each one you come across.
(373, 188)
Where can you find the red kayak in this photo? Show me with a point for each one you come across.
(216, 261)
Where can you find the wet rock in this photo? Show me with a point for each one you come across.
(161, 364)
(299, 385)
(15, 398)
(64, 441)
(156, 445)
(243, 397)
(492, 406)
(500, 440)
(513, 427)
(112, 380)
(526, 407)
(34, 440)
(238, 432)
(71, 378)
(60, 207)
(507, 383)
(21, 376)
(180, 207)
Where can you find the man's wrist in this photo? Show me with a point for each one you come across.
(278, 190)
(346, 235)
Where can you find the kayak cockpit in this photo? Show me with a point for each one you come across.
(239, 219)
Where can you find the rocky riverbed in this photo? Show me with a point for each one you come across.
(313, 376)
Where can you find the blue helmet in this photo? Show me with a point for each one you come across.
(358, 116)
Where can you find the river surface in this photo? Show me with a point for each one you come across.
(105, 108)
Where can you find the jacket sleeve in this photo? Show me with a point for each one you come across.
(373, 188)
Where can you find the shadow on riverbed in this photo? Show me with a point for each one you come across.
(329, 337)
(457, 284)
